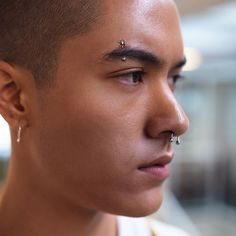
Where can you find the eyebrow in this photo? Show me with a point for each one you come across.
(181, 63)
(140, 55)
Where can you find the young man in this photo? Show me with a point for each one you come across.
(87, 90)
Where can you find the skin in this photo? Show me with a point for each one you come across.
(84, 139)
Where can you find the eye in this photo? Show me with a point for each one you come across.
(174, 79)
(131, 78)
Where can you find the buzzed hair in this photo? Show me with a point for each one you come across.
(32, 31)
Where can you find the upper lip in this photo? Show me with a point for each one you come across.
(159, 161)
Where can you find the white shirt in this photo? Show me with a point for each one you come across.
(128, 226)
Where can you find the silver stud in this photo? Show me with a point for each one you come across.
(122, 43)
(124, 59)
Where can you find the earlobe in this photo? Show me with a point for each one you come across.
(11, 107)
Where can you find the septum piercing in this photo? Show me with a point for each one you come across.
(178, 141)
(172, 137)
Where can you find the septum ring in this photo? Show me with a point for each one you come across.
(172, 139)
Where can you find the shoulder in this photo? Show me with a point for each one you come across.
(163, 229)
(143, 226)
(129, 226)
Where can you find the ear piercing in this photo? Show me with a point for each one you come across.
(172, 138)
(19, 134)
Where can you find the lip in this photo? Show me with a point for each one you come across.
(158, 168)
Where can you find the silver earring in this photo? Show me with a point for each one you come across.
(19, 134)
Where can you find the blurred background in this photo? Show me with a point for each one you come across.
(201, 193)
(204, 172)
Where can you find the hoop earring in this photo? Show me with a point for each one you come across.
(19, 134)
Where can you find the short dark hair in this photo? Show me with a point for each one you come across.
(33, 30)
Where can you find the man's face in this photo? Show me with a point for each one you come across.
(109, 116)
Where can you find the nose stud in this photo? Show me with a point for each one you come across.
(172, 139)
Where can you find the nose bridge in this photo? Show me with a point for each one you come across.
(168, 115)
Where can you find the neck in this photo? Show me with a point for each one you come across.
(34, 211)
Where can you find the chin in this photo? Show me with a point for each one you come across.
(141, 206)
(148, 209)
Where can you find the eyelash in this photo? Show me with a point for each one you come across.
(137, 78)
(176, 78)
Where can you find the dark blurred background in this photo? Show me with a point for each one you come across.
(201, 193)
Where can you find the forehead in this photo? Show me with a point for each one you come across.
(149, 24)
(139, 10)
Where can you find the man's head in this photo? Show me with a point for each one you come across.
(99, 138)
(32, 31)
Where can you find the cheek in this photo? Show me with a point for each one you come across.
(102, 120)
(104, 133)
(92, 141)
(95, 134)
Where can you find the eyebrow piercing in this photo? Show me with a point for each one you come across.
(122, 43)
(124, 59)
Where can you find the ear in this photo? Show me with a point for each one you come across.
(12, 103)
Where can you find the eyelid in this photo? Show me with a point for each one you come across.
(178, 76)
(175, 79)
(127, 71)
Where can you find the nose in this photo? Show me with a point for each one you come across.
(165, 114)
